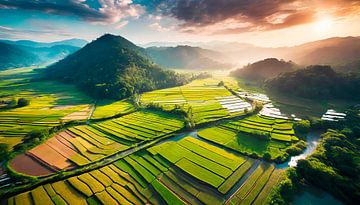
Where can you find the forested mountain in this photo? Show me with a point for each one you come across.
(264, 69)
(319, 82)
(187, 57)
(15, 56)
(112, 67)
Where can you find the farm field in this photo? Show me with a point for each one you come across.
(107, 108)
(204, 99)
(255, 134)
(200, 174)
(81, 145)
(50, 103)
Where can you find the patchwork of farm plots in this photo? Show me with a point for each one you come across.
(50, 103)
(106, 109)
(81, 145)
(254, 134)
(188, 171)
(207, 100)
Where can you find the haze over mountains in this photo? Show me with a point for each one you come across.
(340, 52)
(337, 51)
(28, 53)
(188, 57)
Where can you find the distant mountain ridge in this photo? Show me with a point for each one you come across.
(337, 52)
(112, 67)
(13, 56)
(23, 53)
(187, 57)
(69, 42)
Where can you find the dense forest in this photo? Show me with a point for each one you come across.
(319, 82)
(264, 69)
(113, 67)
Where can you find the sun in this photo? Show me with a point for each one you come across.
(323, 25)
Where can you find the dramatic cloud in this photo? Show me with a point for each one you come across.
(107, 11)
(236, 16)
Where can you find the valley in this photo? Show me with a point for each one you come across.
(179, 102)
(200, 143)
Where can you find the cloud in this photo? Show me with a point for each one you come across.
(237, 16)
(108, 11)
(157, 26)
(13, 33)
(121, 24)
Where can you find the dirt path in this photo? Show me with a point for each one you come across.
(93, 107)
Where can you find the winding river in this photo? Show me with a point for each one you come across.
(308, 196)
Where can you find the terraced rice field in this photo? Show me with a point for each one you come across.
(191, 172)
(254, 134)
(106, 109)
(81, 145)
(50, 102)
(205, 98)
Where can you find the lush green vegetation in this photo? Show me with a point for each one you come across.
(334, 166)
(123, 71)
(322, 82)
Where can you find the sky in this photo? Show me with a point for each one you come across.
(268, 23)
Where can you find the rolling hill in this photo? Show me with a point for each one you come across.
(112, 67)
(264, 69)
(317, 82)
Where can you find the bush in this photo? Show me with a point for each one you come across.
(267, 156)
(22, 102)
(4, 151)
(11, 104)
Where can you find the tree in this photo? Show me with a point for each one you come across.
(22, 102)
(12, 103)
(267, 156)
(221, 83)
(4, 151)
(302, 126)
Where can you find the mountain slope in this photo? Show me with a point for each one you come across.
(186, 57)
(15, 56)
(264, 69)
(112, 67)
(333, 51)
